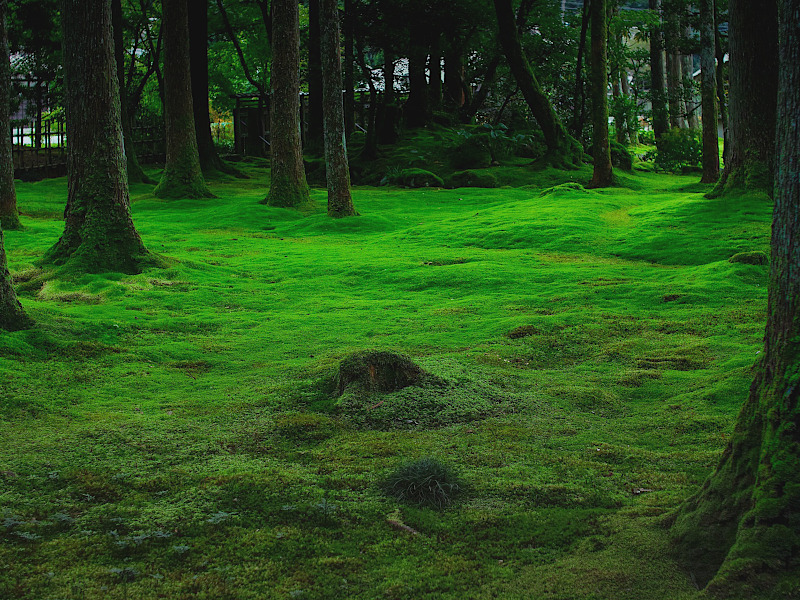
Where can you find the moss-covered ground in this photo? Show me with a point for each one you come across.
(163, 435)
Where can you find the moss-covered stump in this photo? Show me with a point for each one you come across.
(380, 371)
(750, 258)
(384, 390)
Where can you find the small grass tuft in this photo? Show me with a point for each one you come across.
(426, 482)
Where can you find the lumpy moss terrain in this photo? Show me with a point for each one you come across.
(170, 434)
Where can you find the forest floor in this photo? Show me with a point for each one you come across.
(162, 434)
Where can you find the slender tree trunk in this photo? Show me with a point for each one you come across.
(390, 114)
(370, 150)
(677, 108)
(388, 76)
(741, 531)
(98, 233)
(417, 107)
(314, 133)
(579, 110)
(722, 102)
(708, 93)
(454, 79)
(753, 89)
(562, 148)
(349, 72)
(182, 177)
(135, 172)
(658, 91)
(198, 60)
(435, 72)
(288, 185)
(479, 99)
(340, 203)
(690, 98)
(12, 317)
(9, 215)
(601, 150)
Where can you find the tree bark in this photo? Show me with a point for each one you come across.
(709, 93)
(417, 107)
(601, 150)
(210, 161)
(722, 102)
(288, 185)
(12, 316)
(314, 132)
(562, 148)
(340, 203)
(9, 215)
(454, 79)
(135, 172)
(182, 177)
(753, 90)
(98, 233)
(741, 531)
(658, 91)
(479, 98)
(435, 72)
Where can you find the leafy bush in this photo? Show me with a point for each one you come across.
(479, 179)
(677, 150)
(487, 144)
(414, 178)
(621, 156)
(425, 482)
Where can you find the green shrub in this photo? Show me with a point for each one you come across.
(414, 178)
(478, 179)
(471, 153)
(425, 482)
(678, 150)
(621, 156)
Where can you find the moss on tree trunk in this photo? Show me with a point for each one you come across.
(12, 317)
(98, 233)
(741, 531)
(340, 202)
(602, 172)
(288, 185)
(182, 177)
(9, 216)
(749, 162)
(709, 93)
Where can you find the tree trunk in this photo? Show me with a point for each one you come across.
(579, 109)
(417, 107)
(314, 132)
(9, 215)
(454, 79)
(677, 109)
(198, 60)
(741, 531)
(388, 76)
(98, 233)
(135, 172)
(349, 73)
(12, 317)
(721, 100)
(709, 93)
(753, 90)
(479, 98)
(288, 185)
(658, 91)
(435, 72)
(182, 177)
(340, 203)
(689, 96)
(601, 150)
(562, 148)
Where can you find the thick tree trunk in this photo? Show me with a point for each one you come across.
(709, 93)
(741, 531)
(658, 91)
(314, 132)
(753, 90)
(98, 234)
(601, 150)
(183, 177)
(9, 215)
(562, 148)
(417, 107)
(677, 108)
(198, 60)
(288, 185)
(340, 203)
(348, 69)
(12, 317)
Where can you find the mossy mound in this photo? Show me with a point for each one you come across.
(564, 187)
(477, 179)
(384, 390)
(750, 258)
(621, 157)
(415, 178)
